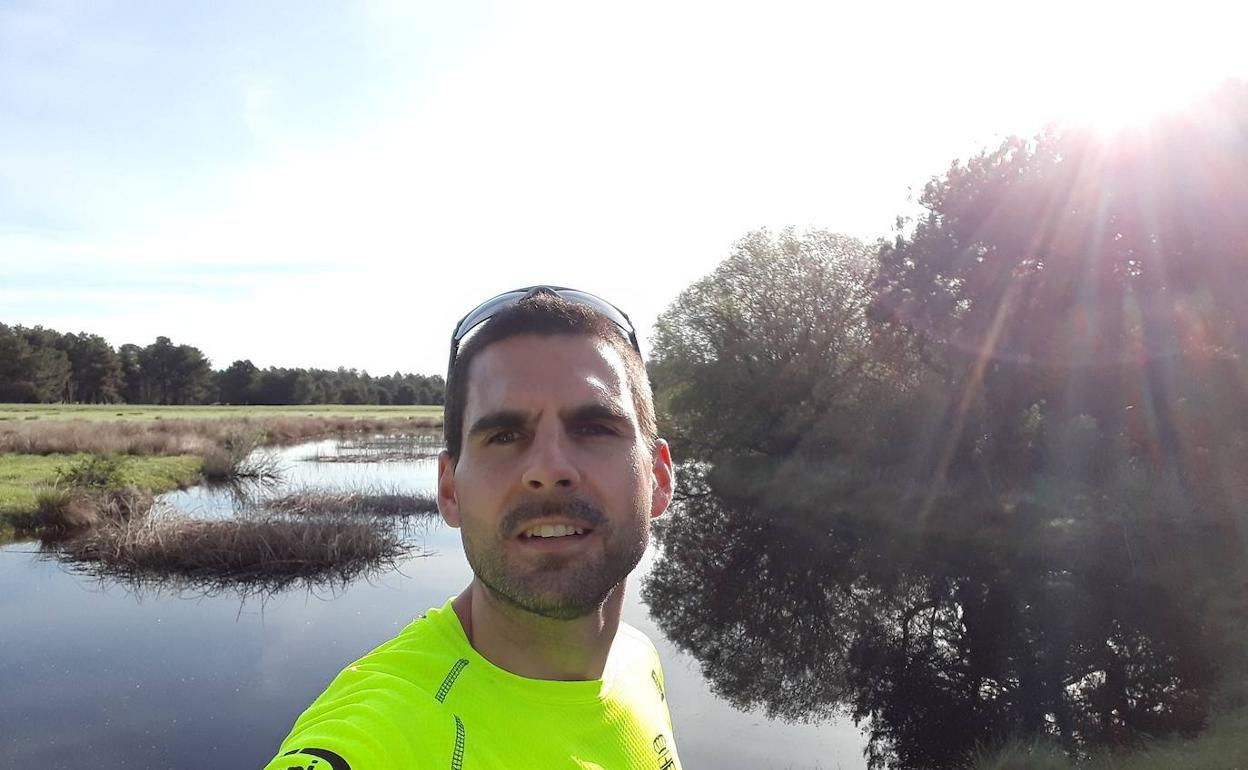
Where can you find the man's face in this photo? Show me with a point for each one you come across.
(555, 486)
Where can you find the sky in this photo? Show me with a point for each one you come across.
(335, 184)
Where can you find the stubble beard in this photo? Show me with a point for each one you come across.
(558, 586)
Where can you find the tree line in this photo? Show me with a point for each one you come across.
(987, 479)
(39, 365)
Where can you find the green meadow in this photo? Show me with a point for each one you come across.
(22, 475)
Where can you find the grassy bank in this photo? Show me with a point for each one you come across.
(1223, 746)
(22, 475)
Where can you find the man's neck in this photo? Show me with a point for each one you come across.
(536, 647)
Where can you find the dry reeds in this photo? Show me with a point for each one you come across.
(259, 553)
(186, 437)
(225, 446)
(368, 503)
(235, 459)
(61, 510)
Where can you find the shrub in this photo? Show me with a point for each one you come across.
(93, 472)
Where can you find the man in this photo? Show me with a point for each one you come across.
(552, 472)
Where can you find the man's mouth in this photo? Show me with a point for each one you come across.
(553, 531)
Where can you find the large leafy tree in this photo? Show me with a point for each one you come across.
(96, 370)
(16, 371)
(771, 353)
(1010, 500)
(1081, 274)
(33, 365)
(237, 384)
(282, 386)
(174, 374)
(129, 355)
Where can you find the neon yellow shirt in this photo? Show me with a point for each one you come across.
(427, 699)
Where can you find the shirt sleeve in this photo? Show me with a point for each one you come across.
(366, 722)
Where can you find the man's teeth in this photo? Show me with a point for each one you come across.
(553, 530)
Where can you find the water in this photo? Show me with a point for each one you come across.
(95, 673)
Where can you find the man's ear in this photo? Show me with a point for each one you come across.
(664, 479)
(448, 503)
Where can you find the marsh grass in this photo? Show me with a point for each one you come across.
(221, 449)
(375, 501)
(62, 510)
(235, 459)
(168, 548)
(145, 412)
(85, 492)
(188, 436)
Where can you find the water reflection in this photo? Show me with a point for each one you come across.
(398, 448)
(259, 535)
(803, 602)
(376, 464)
(153, 673)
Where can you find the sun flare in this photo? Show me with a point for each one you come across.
(1125, 65)
(1131, 100)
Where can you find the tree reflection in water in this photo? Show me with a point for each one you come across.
(938, 635)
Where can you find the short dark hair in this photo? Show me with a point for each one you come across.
(544, 314)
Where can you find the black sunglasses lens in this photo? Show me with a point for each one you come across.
(491, 307)
(485, 310)
(601, 305)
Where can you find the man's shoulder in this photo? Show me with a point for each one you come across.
(365, 735)
(413, 662)
(384, 710)
(632, 642)
(370, 724)
(639, 662)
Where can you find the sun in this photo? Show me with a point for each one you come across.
(1114, 103)
(1129, 104)
(1124, 65)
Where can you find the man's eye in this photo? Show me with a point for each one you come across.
(594, 429)
(504, 437)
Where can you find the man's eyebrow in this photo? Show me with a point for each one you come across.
(503, 418)
(597, 411)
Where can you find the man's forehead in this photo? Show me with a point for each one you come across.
(533, 368)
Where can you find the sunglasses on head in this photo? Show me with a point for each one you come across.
(492, 307)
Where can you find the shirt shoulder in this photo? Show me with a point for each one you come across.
(385, 710)
(634, 650)
(361, 737)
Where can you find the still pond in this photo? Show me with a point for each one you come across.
(105, 674)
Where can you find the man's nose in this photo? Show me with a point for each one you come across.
(550, 464)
